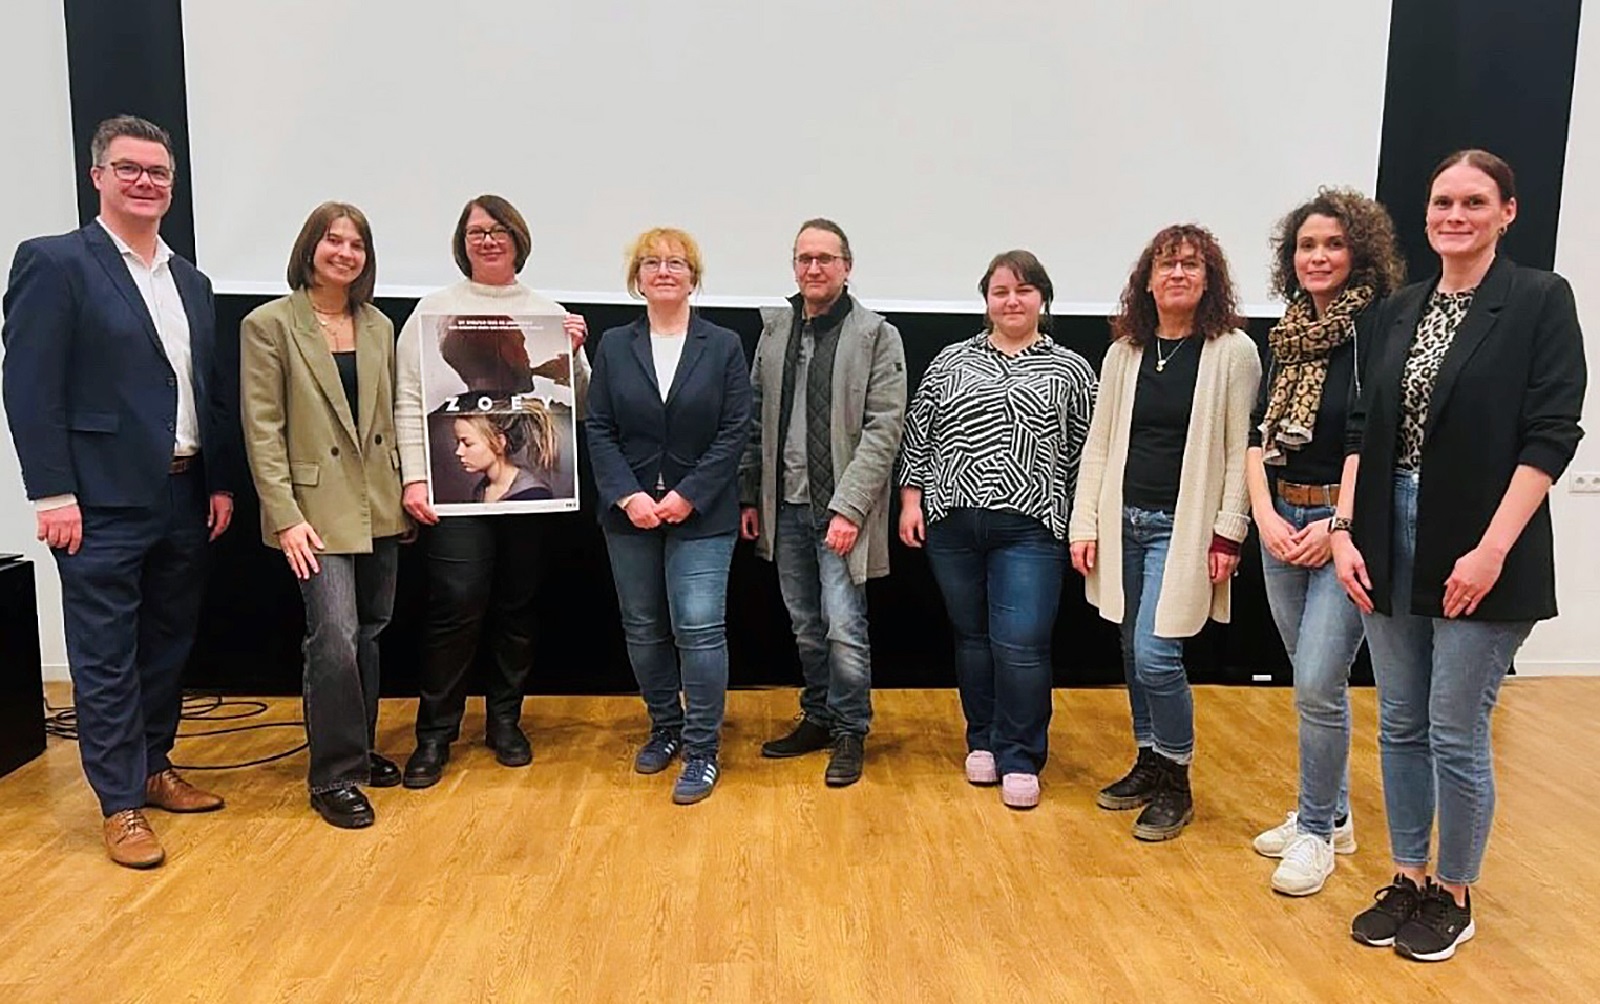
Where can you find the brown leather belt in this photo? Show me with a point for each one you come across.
(182, 465)
(1308, 496)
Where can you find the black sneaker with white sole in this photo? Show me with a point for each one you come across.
(1396, 904)
(1437, 928)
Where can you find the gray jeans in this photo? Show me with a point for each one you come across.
(348, 603)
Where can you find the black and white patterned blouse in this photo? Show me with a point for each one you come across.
(1435, 332)
(991, 431)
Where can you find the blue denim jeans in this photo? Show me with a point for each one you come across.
(672, 593)
(348, 604)
(1000, 573)
(1322, 632)
(1158, 683)
(1438, 680)
(829, 613)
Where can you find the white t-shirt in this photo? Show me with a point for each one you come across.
(666, 350)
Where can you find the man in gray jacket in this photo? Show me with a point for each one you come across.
(830, 397)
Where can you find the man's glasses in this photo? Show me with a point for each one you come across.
(804, 261)
(127, 172)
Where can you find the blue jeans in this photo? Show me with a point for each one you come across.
(1158, 684)
(1437, 684)
(348, 604)
(829, 613)
(1321, 631)
(1000, 573)
(672, 593)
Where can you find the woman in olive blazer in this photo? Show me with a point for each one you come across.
(317, 379)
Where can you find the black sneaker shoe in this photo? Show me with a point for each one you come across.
(1396, 904)
(1134, 788)
(510, 744)
(1438, 926)
(1172, 805)
(807, 737)
(426, 764)
(844, 763)
(657, 752)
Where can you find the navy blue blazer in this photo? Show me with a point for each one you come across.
(90, 396)
(691, 443)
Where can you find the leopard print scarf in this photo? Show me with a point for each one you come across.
(1300, 344)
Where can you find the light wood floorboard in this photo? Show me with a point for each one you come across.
(576, 879)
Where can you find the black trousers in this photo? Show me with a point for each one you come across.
(483, 578)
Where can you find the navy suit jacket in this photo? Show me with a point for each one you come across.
(691, 442)
(90, 396)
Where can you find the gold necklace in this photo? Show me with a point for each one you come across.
(1161, 360)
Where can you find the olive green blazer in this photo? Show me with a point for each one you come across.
(312, 461)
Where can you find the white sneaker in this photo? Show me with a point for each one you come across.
(1307, 863)
(981, 768)
(1272, 843)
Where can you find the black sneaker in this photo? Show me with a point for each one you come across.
(1438, 926)
(1172, 805)
(1136, 787)
(1396, 904)
(845, 762)
(807, 737)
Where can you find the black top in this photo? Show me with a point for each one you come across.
(1162, 403)
(346, 361)
(1509, 392)
(1321, 461)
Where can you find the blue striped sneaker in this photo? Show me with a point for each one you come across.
(657, 752)
(698, 778)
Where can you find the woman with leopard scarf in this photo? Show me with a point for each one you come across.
(1336, 258)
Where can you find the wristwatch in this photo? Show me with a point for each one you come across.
(1338, 523)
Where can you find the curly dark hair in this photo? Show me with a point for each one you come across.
(1375, 258)
(1218, 312)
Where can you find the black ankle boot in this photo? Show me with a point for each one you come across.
(1171, 807)
(509, 742)
(1134, 788)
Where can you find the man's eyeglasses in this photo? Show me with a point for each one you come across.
(127, 172)
(677, 266)
(804, 261)
(479, 235)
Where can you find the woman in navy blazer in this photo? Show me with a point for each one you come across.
(1469, 416)
(669, 414)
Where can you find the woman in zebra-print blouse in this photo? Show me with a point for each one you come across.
(987, 469)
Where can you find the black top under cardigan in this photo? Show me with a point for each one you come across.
(1509, 392)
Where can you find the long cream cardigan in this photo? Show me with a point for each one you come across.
(1212, 496)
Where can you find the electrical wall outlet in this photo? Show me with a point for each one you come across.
(1585, 482)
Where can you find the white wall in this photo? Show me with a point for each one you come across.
(37, 170)
(936, 133)
(1571, 643)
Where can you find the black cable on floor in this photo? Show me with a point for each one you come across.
(62, 723)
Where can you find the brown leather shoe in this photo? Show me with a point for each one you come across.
(130, 841)
(168, 790)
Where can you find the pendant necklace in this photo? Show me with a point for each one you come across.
(1161, 360)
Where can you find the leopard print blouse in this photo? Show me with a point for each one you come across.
(1435, 332)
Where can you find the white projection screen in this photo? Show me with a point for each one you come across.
(936, 133)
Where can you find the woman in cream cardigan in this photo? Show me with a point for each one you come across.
(1161, 505)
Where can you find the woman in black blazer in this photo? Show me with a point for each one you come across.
(1470, 415)
(669, 414)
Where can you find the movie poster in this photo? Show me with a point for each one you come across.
(501, 434)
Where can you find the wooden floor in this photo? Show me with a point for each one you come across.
(576, 879)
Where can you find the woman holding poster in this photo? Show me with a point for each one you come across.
(491, 378)
(669, 415)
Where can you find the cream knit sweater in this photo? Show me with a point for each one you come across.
(465, 297)
(1212, 496)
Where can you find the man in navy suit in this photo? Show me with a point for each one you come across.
(124, 424)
